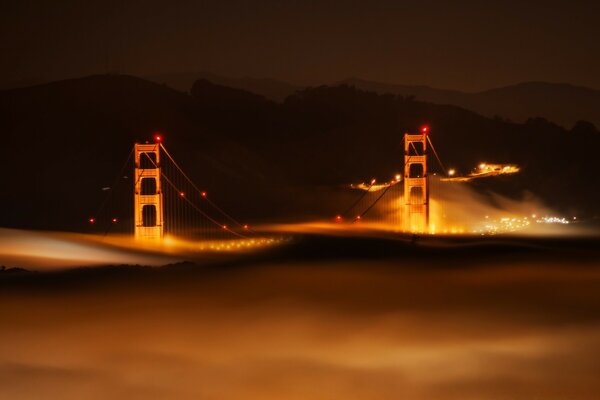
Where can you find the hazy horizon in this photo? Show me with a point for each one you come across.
(465, 45)
(34, 81)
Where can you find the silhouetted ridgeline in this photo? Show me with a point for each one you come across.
(561, 103)
(269, 88)
(62, 142)
(558, 102)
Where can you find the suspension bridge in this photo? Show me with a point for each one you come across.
(162, 200)
(405, 207)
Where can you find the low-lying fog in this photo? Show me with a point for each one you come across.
(512, 326)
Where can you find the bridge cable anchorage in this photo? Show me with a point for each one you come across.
(182, 195)
(203, 193)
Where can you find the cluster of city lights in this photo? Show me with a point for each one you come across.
(553, 220)
(513, 224)
(503, 225)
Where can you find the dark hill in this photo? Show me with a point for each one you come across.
(63, 142)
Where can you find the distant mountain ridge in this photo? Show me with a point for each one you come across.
(272, 89)
(562, 103)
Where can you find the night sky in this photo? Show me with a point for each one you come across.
(465, 45)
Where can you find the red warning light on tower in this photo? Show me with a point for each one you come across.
(158, 138)
(92, 220)
(115, 220)
(424, 129)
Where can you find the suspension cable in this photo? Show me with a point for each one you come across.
(363, 195)
(202, 193)
(192, 204)
(375, 202)
(386, 189)
(436, 156)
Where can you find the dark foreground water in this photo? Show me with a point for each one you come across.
(321, 318)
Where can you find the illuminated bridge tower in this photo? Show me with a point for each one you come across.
(416, 182)
(148, 198)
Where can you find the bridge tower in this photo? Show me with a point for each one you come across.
(148, 197)
(416, 182)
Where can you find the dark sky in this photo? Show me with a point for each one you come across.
(467, 45)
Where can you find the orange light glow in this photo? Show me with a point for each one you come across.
(182, 194)
(203, 194)
(338, 218)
